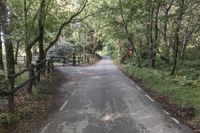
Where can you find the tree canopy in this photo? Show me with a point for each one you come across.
(163, 30)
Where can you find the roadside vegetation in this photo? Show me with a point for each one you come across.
(179, 94)
(31, 110)
(157, 44)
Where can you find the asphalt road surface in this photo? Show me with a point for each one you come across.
(100, 99)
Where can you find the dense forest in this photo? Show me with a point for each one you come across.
(163, 34)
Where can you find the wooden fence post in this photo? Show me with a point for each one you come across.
(52, 65)
(74, 59)
(85, 58)
(34, 74)
(24, 59)
(38, 69)
(44, 67)
(48, 65)
(88, 59)
(11, 100)
(82, 59)
(31, 74)
(64, 61)
(78, 60)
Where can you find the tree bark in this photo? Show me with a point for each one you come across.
(27, 49)
(177, 36)
(156, 39)
(129, 35)
(41, 20)
(28, 56)
(150, 40)
(1, 53)
(64, 24)
(187, 38)
(9, 51)
(17, 51)
(165, 30)
(27, 43)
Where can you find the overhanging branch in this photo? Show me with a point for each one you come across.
(81, 8)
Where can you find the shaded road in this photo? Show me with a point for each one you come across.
(100, 99)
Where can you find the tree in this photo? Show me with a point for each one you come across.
(65, 23)
(1, 50)
(5, 19)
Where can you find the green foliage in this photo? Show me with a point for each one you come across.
(7, 118)
(183, 91)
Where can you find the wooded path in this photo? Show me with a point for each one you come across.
(100, 99)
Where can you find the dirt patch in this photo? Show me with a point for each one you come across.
(33, 110)
(186, 114)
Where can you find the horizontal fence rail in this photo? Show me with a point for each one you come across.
(34, 74)
(41, 67)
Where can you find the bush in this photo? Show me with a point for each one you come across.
(183, 89)
(7, 118)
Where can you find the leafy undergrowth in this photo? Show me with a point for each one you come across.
(31, 110)
(178, 94)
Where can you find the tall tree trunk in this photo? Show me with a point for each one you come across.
(17, 51)
(165, 39)
(28, 56)
(129, 35)
(9, 50)
(187, 38)
(184, 47)
(177, 36)
(26, 42)
(1, 53)
(167, 8)
(150, 38)
(156, 39)
(41, 20)
(175, 48)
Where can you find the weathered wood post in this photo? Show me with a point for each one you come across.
(52, 65)
(31, 74)
(82, 59)
(44, 67)
(38, 69)
(24, 59)
(85, 58)
(11, 85)
(64, 61)
(88, 59)
(74, 59)
(78, 60)
(48, 64)
(34, 74)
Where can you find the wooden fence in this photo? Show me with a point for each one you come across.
(34, 73)
(76, 59)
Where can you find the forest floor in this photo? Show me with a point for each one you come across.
(31, 110)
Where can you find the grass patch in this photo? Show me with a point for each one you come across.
(183, 92)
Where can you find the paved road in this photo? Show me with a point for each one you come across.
(100, 99)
